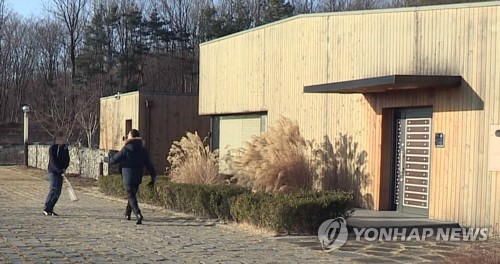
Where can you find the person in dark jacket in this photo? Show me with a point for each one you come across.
(58, 163)
(133, 157)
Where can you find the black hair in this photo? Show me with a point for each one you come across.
(134, 133)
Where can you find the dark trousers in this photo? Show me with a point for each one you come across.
(56, 182)
(132, 205)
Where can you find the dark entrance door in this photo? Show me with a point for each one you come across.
(411, 164)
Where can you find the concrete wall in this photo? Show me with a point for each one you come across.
(11, 154)
(84, 161)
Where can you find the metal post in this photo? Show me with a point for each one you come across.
(26, 139)
(26, 108)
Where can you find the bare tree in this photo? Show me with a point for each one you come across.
(73, 13)
(183, 15)
(405, 3)
(400, 3)
(305, 6)
(22, 64)
(87, 115)
(17, 61)
(362, 4)
(345, 5)
(3, 72)
(257, 8)
(333, 5)
(58, 113)
(52, 49)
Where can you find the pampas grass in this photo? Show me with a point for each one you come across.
(276, 161)
(191, 161)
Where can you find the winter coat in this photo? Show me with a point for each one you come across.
(58, 158)
(133, 157)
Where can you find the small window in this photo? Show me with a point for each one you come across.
(230, 134)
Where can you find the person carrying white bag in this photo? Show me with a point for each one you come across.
(58, 163)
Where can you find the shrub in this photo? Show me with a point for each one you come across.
(203, 200)
(275, 161)
(112, 185)
(192, 162)
(249, 208)
(299, 212)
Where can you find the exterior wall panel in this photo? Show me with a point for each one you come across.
(113, 114)
(283, 57)
(170, 117)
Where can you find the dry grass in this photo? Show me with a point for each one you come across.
(226, 161)
(281, 160)
(276, 161)
(249, 229)
(191, 161)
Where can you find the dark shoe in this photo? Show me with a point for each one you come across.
(127, 215)
(54, 213)
(47, 213)
(139, 219)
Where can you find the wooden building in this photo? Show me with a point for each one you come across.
(160, 118)
(417, 89)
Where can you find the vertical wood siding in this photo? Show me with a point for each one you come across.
(266, 69)
(171, 116)
(112, 119)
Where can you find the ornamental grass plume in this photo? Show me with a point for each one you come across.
(191, 161)
(275, 161)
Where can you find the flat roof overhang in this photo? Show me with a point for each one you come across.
(386, 84)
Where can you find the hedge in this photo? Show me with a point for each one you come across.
(301, 212)
(202, 200)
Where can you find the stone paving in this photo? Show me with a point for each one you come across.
(92, 230)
